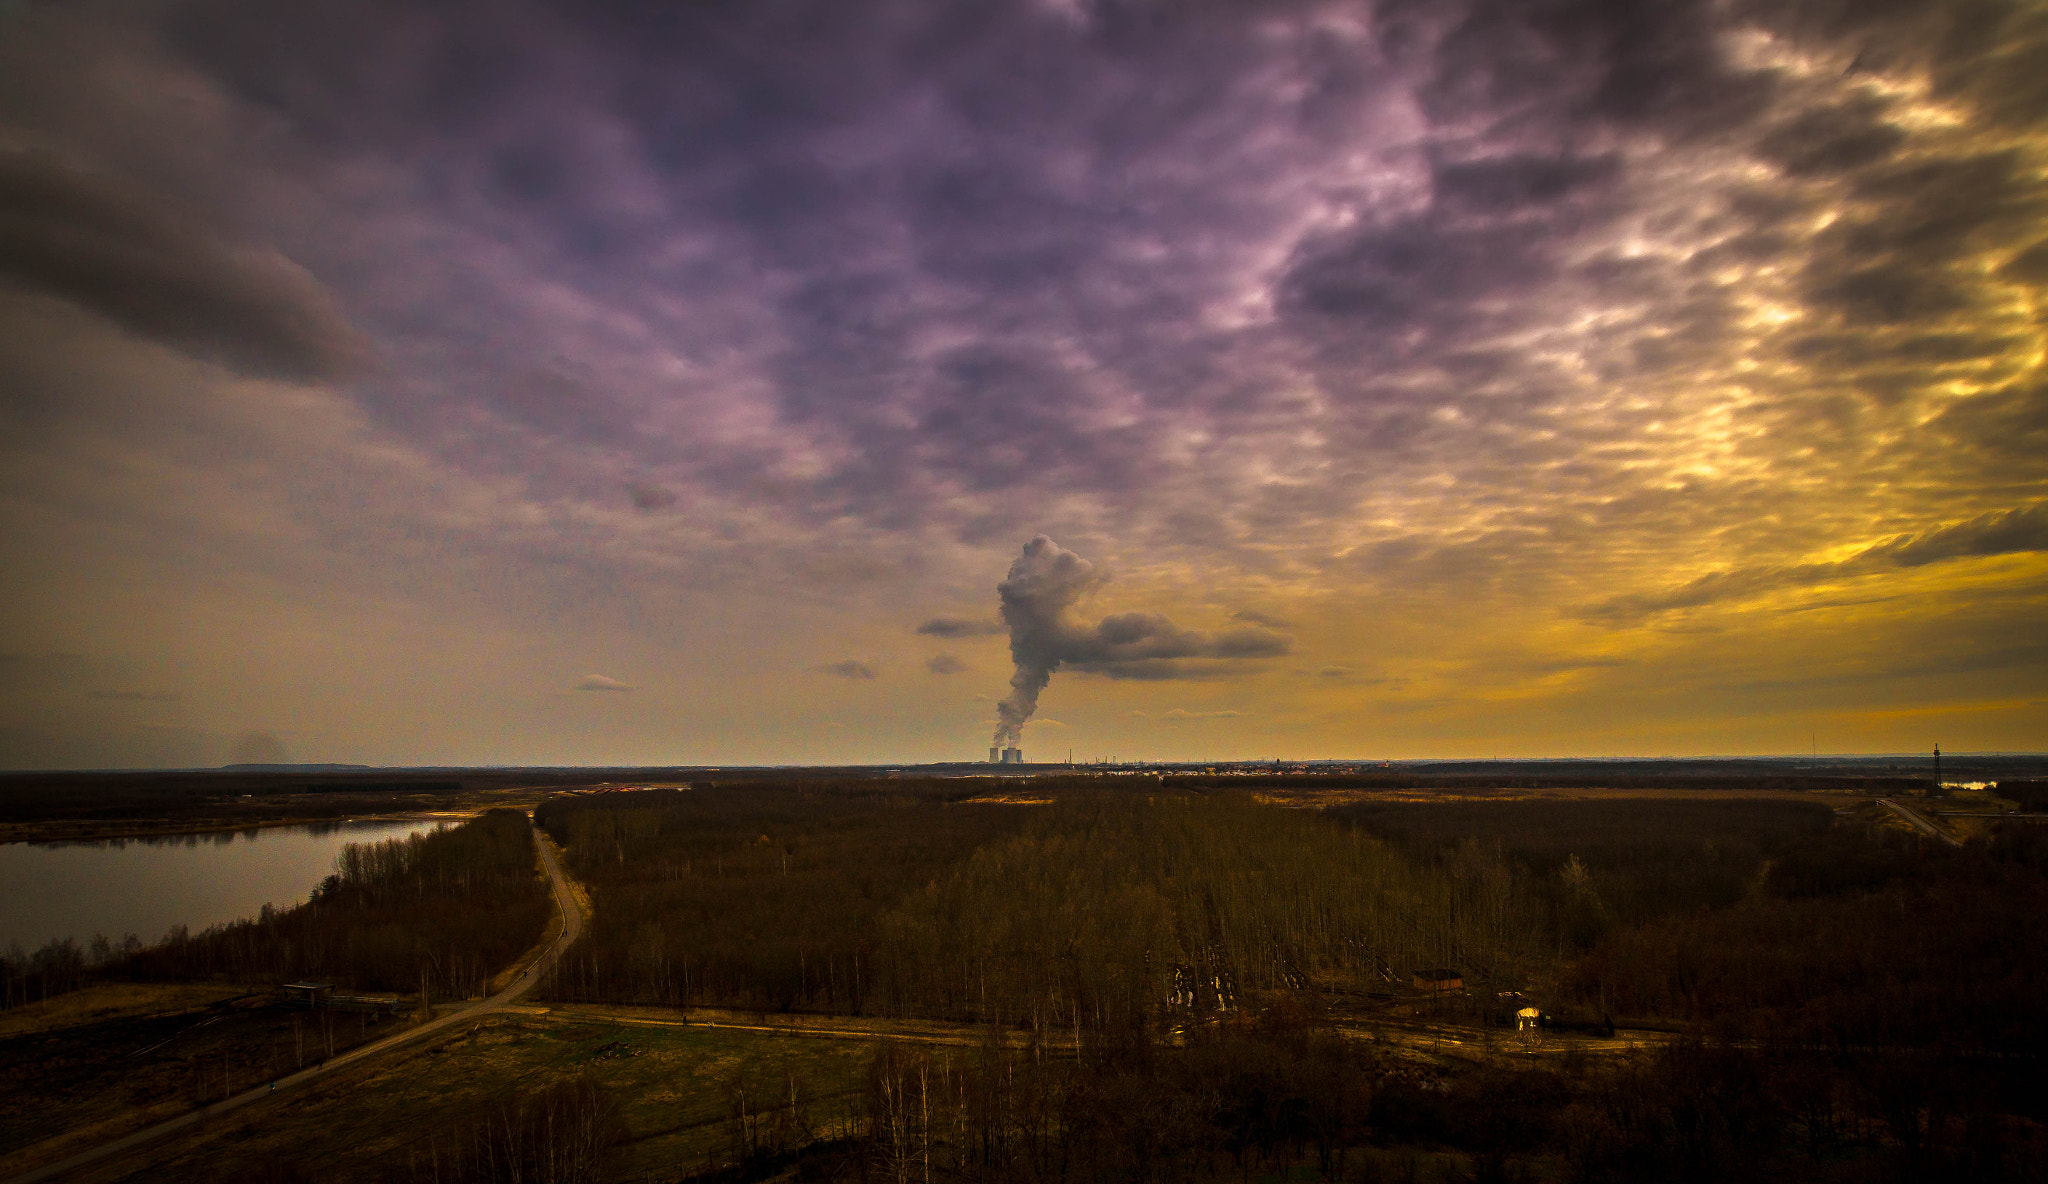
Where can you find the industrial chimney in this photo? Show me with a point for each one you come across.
(995, 755)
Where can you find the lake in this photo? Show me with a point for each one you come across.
(146, 886)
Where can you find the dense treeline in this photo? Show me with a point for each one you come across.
(1103, 909)
(1285, 1097)
(1236, 1097)
(1109, 910)
(1592, 866)
(1770, 921)
(891, 897)
(59, 965)
(1860, 941)
(1088, 912)
(2031, 794)
(756, 896)
(1493, 782)
(441, 912)
(1196, 971)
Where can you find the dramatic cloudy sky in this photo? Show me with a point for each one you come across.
(611, 381)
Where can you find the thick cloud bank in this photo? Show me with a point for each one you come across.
(2009, 532)
(108, 247)
(1044, 586)
(1441, 286)
(1540, 341)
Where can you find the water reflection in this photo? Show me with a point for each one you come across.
(146, 886)
(376, 828)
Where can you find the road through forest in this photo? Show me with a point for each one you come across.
(1413, 1036)
(1914, 820)
(572, 927)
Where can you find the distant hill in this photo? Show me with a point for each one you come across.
(292, 768)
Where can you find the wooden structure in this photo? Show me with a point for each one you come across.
(309, 994)
(321, 997)
(1440, 981)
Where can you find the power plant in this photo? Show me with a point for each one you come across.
(1006, 756)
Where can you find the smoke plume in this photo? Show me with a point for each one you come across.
(1044, 585)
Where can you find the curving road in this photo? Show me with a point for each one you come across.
(572, 927)
(1920, 824)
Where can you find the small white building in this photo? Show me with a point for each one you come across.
(309, 994)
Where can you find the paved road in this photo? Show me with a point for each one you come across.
(565, 900)
(1920, 824)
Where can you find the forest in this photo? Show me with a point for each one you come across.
(440, 912)
(1189, 983)
(1138, 903)
(1155, 977)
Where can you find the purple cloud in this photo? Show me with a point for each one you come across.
(665, 320)
(111, 247)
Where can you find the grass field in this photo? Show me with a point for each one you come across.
(677, 1088)
(101, 1002)
(66, 1090)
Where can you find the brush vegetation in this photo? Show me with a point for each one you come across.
(1166, 978)
(1194, 985)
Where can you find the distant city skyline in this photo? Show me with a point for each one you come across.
(545, 384)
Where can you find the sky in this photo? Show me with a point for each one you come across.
(636, 382)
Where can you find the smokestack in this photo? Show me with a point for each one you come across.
(995, 755)
(1013, 756)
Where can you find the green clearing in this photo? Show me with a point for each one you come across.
(676, 1088)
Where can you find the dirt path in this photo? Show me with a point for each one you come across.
(572, 916)
(1431, 1041)
(818, 1027)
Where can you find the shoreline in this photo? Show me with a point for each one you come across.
(180, 829)
(220, 815)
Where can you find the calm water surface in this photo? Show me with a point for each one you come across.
(146, 886)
